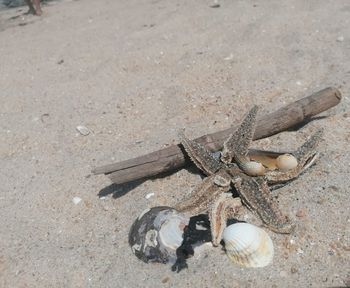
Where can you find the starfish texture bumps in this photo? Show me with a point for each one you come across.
(250, 178)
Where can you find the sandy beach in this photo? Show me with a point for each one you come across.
(134, 73)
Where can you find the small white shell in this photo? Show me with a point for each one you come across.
(286, 162)
(253, 168)
(83, 130)
(248, 245)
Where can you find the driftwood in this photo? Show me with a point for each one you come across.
(172, 158)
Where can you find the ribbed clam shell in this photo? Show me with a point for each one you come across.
(286, 162)
(253, 168)
(157, 233)
(248, 245)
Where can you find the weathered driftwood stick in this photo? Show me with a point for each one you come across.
(172, 157)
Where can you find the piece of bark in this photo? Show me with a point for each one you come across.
(171, 158)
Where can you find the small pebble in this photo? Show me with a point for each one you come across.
(44, 117)
(149, 195)
(229, 57)
(215, 4)
(83, 130)
(76, 200)
(334, 188)
(300, 251)
(293, 270)
(298, 83)
(165, 280)
(340, 39)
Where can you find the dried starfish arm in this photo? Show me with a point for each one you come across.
(309, 147)
(200, 155)
(205, 193)
(256, 195)
(223, 208)
(306, 155)
(237, 145)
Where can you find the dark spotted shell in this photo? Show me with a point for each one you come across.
(157, 233)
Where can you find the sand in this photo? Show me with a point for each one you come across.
(133, 73)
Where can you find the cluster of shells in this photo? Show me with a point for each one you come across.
(158, 232)
(257, 167)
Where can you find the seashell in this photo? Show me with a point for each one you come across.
(248, 245)
(253, 168)
(157, 233)
(286, 162)
(83, 130)
(266, 161)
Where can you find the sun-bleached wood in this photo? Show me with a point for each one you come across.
(172, 158)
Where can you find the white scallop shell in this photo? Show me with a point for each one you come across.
(248, 245)
(286, 162)
(253, 168)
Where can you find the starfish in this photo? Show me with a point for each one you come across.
(250, 178)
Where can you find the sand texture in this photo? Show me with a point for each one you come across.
(132, 73)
